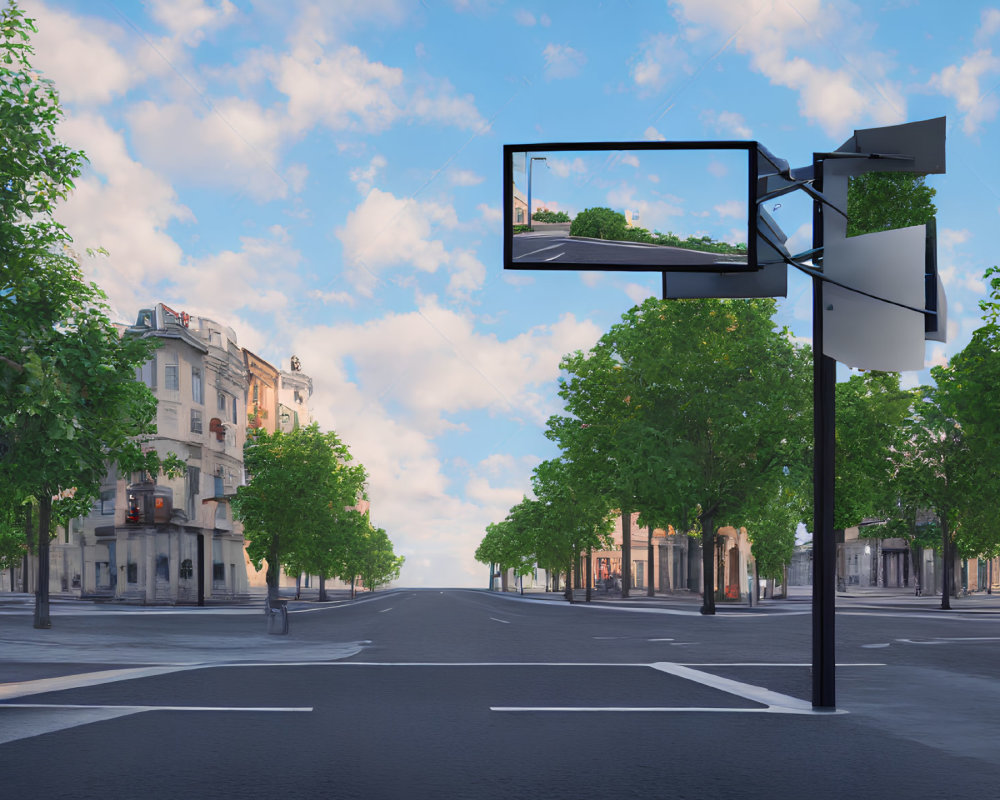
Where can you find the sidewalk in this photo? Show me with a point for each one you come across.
(797, 597)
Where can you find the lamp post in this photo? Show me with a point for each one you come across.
(530, 164)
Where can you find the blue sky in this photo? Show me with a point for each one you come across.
(325, 177)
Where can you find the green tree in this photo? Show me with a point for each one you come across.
(599, 223)
(771, 517)
(937, 469)
(571, 517)
(870, 410)
(293, 509)
(709, 401)
(69, 401)
(882, 201)
(379, 564)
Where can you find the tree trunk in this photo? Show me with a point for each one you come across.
(353, 594)
(298, 586)
(590, 574)
(569, 582)
(273, 571)
(503, 579)
(626, 552)
(42, 619)
(29, 536)
(555, 581)
(946, 564)
(322, 588)
(650, 570)
(708, 563)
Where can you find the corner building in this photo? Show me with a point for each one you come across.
(160, 540)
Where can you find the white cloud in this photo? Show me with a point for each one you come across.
(717, 169)
(385, 231)
(949, 237)
(85, 57)
(363, 178)
(464, 177)
(662, 58)
(630, 159)
(728, 123)
(125, 207)
(653, 135)
(732, 208)
(409, 371)
(836, 99)
(564, 168)
(562, 61)
(332, 298)
(490, 214)
(989, 25)
(237, 145)
(962, 84)
(190, 20)
(636, 292)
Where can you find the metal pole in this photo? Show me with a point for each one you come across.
(531, 163)
(824, 545)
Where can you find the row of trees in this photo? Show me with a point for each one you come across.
(702, 410)
(303, 510)
(606, 223)
(69, 401)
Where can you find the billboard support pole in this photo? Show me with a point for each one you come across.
(824, 546)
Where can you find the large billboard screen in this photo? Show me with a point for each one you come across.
(631, 206)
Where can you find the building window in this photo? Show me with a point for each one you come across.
(187, 569)
(223, 405)
(235, 419)
(171, 374)
(162, 567)
(256, 394)
(147, 373)
(197, 391)
(132, 572)
(108, 501)
(195, 420)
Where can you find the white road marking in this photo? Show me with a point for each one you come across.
(675, 709)
(557, 255)
(659, 640)
(385, 609)
(875, 646)
(756, 694)
(542, 250)
(9, 691)
(138, 709)
(504, 621)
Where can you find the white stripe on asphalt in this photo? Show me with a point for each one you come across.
(542, 250)
(138, 709)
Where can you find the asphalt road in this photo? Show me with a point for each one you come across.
(462, 693)
(552, 249)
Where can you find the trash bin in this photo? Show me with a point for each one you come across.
(277, 616)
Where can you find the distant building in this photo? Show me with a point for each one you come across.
(294, 390)
(155, 539)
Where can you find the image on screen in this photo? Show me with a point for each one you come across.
(631, 209)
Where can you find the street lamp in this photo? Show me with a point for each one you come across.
(530, 160)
